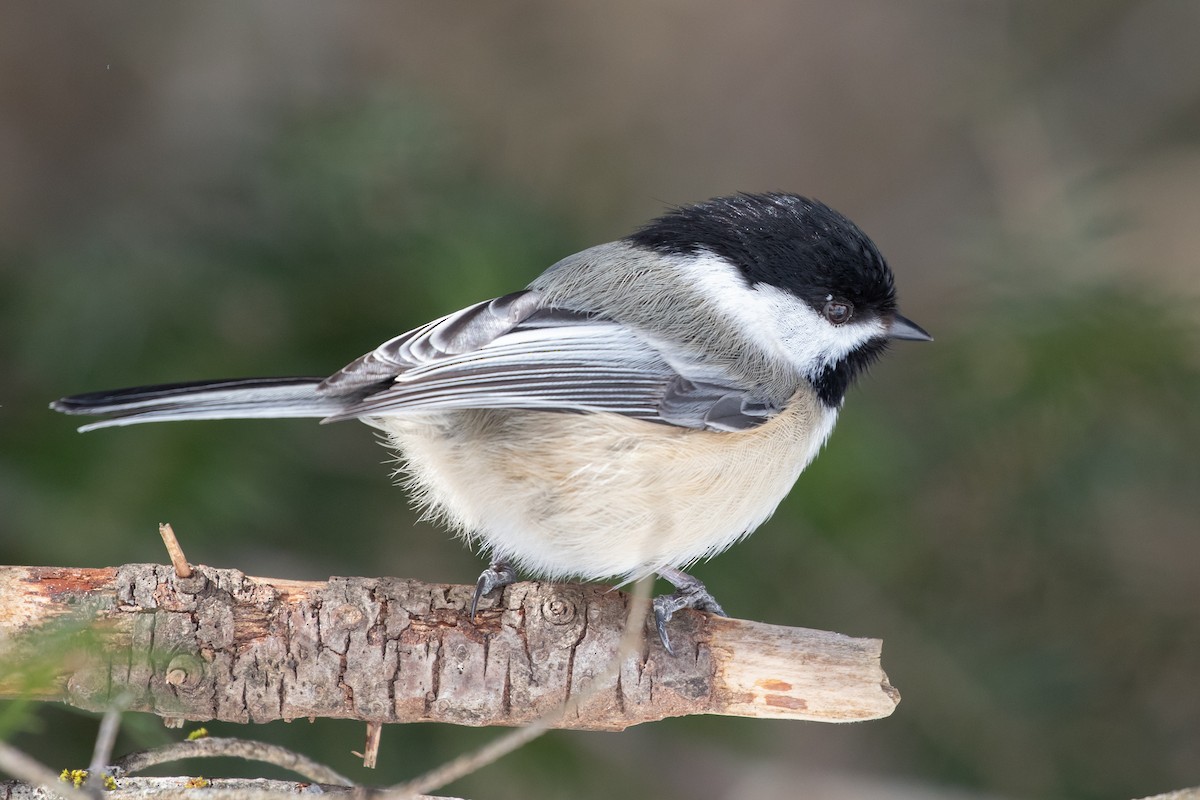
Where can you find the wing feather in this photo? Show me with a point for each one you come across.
(512, 352)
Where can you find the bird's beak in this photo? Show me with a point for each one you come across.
(902, 328)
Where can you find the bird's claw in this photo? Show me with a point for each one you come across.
(690, 593)
(496, 576)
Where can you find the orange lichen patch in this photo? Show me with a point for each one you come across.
(786, 701)
(773, 685)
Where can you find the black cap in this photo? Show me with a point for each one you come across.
(785, 240)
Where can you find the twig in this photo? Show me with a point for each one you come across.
(370, 754)
(213, 747)
(635, 623)
(106, 737)
(23, 767)
(182, 568)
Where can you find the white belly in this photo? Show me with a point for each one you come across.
(600, 495)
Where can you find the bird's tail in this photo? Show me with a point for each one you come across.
(243, 398)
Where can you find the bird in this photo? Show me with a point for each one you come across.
(640, 406)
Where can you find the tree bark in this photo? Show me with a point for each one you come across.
(221, 645)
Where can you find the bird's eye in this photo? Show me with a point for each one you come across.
(837, 312)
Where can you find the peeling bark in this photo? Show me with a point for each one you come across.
(220, 645)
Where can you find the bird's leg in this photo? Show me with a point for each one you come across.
(496, 576)
(690, 593)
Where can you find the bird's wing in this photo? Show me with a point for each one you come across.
(513, 352)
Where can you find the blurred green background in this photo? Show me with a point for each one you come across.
(215, 190)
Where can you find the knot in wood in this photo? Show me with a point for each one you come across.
(87, 686)
(185, 671)
(558, 610)
(192, 584)
(347, 616)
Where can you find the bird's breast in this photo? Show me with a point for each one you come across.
(601, 495)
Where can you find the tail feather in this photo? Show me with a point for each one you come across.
(244, 398)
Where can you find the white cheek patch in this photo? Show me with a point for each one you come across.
(778, 321)
(808, 340)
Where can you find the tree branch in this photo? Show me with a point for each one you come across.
(220, 645)
(223, 747)
(213, 789)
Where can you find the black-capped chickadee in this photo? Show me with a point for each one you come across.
(641, 405)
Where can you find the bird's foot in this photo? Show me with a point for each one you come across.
(690, 593)
(496, 576)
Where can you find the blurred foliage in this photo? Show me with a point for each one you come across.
(1012, 508)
